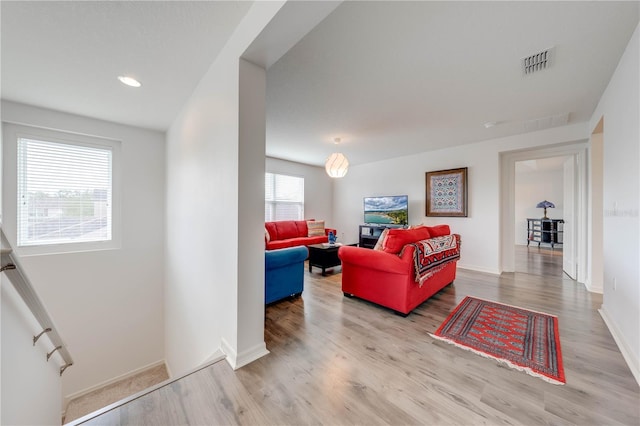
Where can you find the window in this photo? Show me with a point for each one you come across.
(284, 197)
(64, 192)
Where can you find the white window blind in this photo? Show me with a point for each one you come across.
(64, 193)
(284, 197)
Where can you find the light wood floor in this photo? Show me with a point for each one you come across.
(336, 360)
(541, 260)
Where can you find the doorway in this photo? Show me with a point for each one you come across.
(538, 181)
(577, 152)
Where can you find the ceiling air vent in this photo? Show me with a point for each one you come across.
(537, 62)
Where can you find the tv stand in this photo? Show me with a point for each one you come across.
(370, 233)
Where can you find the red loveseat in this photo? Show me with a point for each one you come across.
(387, 277)
(291, 233)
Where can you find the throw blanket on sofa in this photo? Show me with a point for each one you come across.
(433, 254)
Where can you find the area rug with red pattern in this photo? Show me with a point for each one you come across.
(525, 340)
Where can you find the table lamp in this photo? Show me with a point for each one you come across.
(544, 205)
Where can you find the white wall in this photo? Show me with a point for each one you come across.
(107, 304)
(31, 386)
(531, 188)
(595, 254)
(249, 313)
(318, 187)
(202, 289)
(2, 278)
(620, 107)
(480, 231)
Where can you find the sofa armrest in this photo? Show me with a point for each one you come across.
(286, 256)
(377, 260)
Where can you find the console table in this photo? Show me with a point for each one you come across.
(544, 231)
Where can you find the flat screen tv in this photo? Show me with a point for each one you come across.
(388, 210)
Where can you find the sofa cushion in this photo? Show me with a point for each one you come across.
(398, 238)
(439, 230)
(292, 242)
(286, 229)
(302, 228)
(315, 228)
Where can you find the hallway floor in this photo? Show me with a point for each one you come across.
(541, 260)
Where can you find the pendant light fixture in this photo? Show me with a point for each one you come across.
(337, 164)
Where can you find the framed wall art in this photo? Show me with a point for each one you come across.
(447, 193)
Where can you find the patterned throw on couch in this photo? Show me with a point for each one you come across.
(433, 254)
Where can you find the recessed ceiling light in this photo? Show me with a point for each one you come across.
(129, 81)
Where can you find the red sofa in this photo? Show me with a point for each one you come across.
(291, 233)
(387, 277)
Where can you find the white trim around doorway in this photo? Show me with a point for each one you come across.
(579, 150)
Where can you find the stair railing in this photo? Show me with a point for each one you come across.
(10, 265)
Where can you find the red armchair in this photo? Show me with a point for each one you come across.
(388, 278)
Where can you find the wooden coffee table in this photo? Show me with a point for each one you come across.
(324, 256)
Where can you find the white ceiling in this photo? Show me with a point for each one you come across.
(66, 55)
(396, 78)
(389, 78)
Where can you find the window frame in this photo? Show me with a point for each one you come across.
(56, 136)
(275, 202)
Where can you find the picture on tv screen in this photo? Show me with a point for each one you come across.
(393, 210)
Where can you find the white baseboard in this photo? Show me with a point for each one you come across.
(251, 354)
(169, 373)
(628, 355)
(245, 357)
(474, 268)
(218, 355)
(131, 373)
(229, 352)
(593, 288)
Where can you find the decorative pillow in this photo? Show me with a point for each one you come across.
(398, 238)
(267, 237)
(316, 228)
(380, 242)
(439, 230)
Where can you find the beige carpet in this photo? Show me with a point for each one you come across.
(114, 392)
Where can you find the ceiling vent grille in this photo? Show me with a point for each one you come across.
(537, 62)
